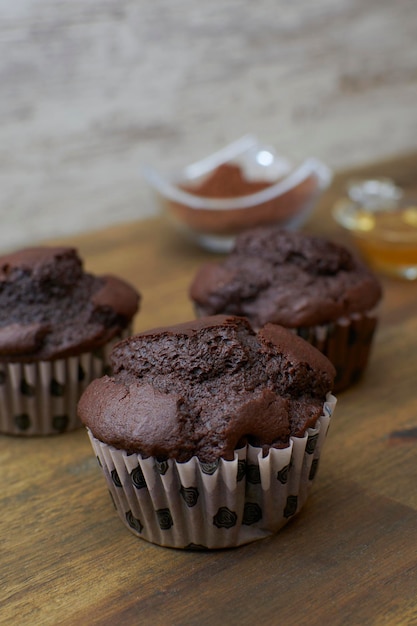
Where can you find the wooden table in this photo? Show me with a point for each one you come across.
(349, 558)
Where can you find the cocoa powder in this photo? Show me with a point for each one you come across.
(227, 181)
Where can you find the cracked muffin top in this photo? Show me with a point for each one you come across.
(207, 387)
(50, 308)
(287, 278)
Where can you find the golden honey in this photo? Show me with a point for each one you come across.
(384, 230)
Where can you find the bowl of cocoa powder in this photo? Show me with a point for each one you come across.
(244, 185)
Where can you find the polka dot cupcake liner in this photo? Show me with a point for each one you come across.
(346, 343)
(224, 504)
(41, 398)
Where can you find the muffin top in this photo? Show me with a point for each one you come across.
(207, 387)
(51, 308)
(287, 278)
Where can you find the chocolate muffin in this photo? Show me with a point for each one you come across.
(208, 420)
(57, 326)
(311, 285)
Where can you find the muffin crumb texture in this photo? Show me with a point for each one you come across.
(206, 388)
(287, 278)
(50, 308)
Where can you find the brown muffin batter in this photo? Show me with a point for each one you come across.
(51, 308)
(287, 278)
(207, 387)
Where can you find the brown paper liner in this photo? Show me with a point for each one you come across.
(224, 504)
(41, 398)
(347, 344)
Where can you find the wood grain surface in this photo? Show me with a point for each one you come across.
(350, 556)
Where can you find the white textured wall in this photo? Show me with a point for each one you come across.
(90, 89)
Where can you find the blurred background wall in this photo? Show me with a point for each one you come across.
(91, 89)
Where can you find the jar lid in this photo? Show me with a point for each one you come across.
(375, 194)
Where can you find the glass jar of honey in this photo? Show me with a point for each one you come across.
(383, 225)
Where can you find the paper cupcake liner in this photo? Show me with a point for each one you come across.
(196, 505)
(346, 343)
(41, 398)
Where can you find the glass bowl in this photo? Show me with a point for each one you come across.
(382, 224)
(244, 185)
